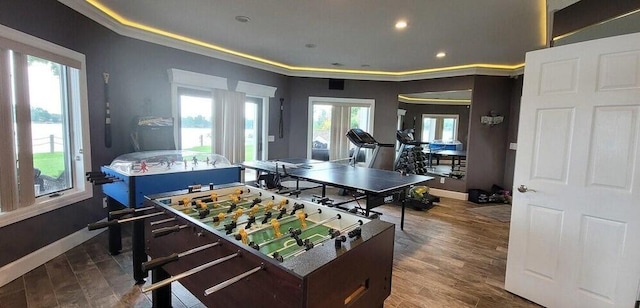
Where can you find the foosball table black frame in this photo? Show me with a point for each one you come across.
(355, 274)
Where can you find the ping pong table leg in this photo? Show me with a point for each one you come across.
(402, 216)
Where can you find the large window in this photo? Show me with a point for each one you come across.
(213, 118)
(43, 124)
(331, 120)
(442, 127)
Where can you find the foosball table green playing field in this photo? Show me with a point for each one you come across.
(240, 246)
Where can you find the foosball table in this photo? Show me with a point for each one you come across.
(241, 246)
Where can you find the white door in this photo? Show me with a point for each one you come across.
(575, 240)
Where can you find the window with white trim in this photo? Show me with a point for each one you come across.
(442, 127)
(43, 125)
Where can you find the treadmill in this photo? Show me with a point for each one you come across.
(382, 156)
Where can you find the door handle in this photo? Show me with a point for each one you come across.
(524, 189)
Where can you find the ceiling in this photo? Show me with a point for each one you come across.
(353, 39)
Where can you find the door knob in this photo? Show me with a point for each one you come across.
(524, 189)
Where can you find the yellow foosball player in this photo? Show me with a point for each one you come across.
(303, 219)
(244, 237)
(282, 203)
(254, 210)
(276, 228)
(214, 197)
(237, 214)
(234, 198)
(268, 206)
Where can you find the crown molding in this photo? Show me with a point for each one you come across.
(84, 8)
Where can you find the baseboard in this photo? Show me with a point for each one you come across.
(17, 268)
(448, 194)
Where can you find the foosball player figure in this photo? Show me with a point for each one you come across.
(237, 215)
(250, 222)
(276, 228)
(244, 237)
(268, 206)
(217, 219)
(204, 213)
(297, 206)
(355, 233)
(254, 210)
(266, 218)
(276, 255)
(283, 203)
(230, 226)
(295, 234)
(302, 217)
(308, 244)
(283, 211)
(339, 240)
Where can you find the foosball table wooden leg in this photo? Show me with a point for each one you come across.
(161, 297)
(115, 237)
(138, 251)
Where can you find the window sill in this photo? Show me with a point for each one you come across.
(46, 205)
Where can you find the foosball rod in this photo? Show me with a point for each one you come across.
(190, 272)
(162, 221)
(222, 207)
(201, 198)
(231, 281)
(151, 264)
(324, 239)
(281, 220)
(337, 216)
(129, 211)
(167, 230)
(104, 224)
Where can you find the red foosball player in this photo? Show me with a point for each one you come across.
(143, 166)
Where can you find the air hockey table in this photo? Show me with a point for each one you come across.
(130, 177)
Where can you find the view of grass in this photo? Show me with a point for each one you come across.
(248, 150)
(51, 164)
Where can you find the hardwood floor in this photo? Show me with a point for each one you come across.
(446, 256)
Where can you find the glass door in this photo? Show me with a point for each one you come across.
(195, 120)
(253, 129)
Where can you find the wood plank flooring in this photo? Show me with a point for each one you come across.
(447, 256)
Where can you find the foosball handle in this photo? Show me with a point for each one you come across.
(166, 230)
(102, 224)
(157, 262)
(339, 240)
(122, 212)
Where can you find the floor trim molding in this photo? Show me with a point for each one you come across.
(448, 194)
(16, 269)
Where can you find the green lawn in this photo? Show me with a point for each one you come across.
(51, 164)
(248, 150)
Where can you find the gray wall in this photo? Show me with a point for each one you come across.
(512, 133)
(139, 86)
(487, 144)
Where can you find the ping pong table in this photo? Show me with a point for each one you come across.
(378, 186)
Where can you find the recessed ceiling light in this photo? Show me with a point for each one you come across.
(441, 54)
(401, 24)
(310, 45)
(243, 19)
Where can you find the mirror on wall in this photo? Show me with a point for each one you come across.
(433, 130)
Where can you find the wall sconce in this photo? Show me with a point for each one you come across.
(491, 119)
